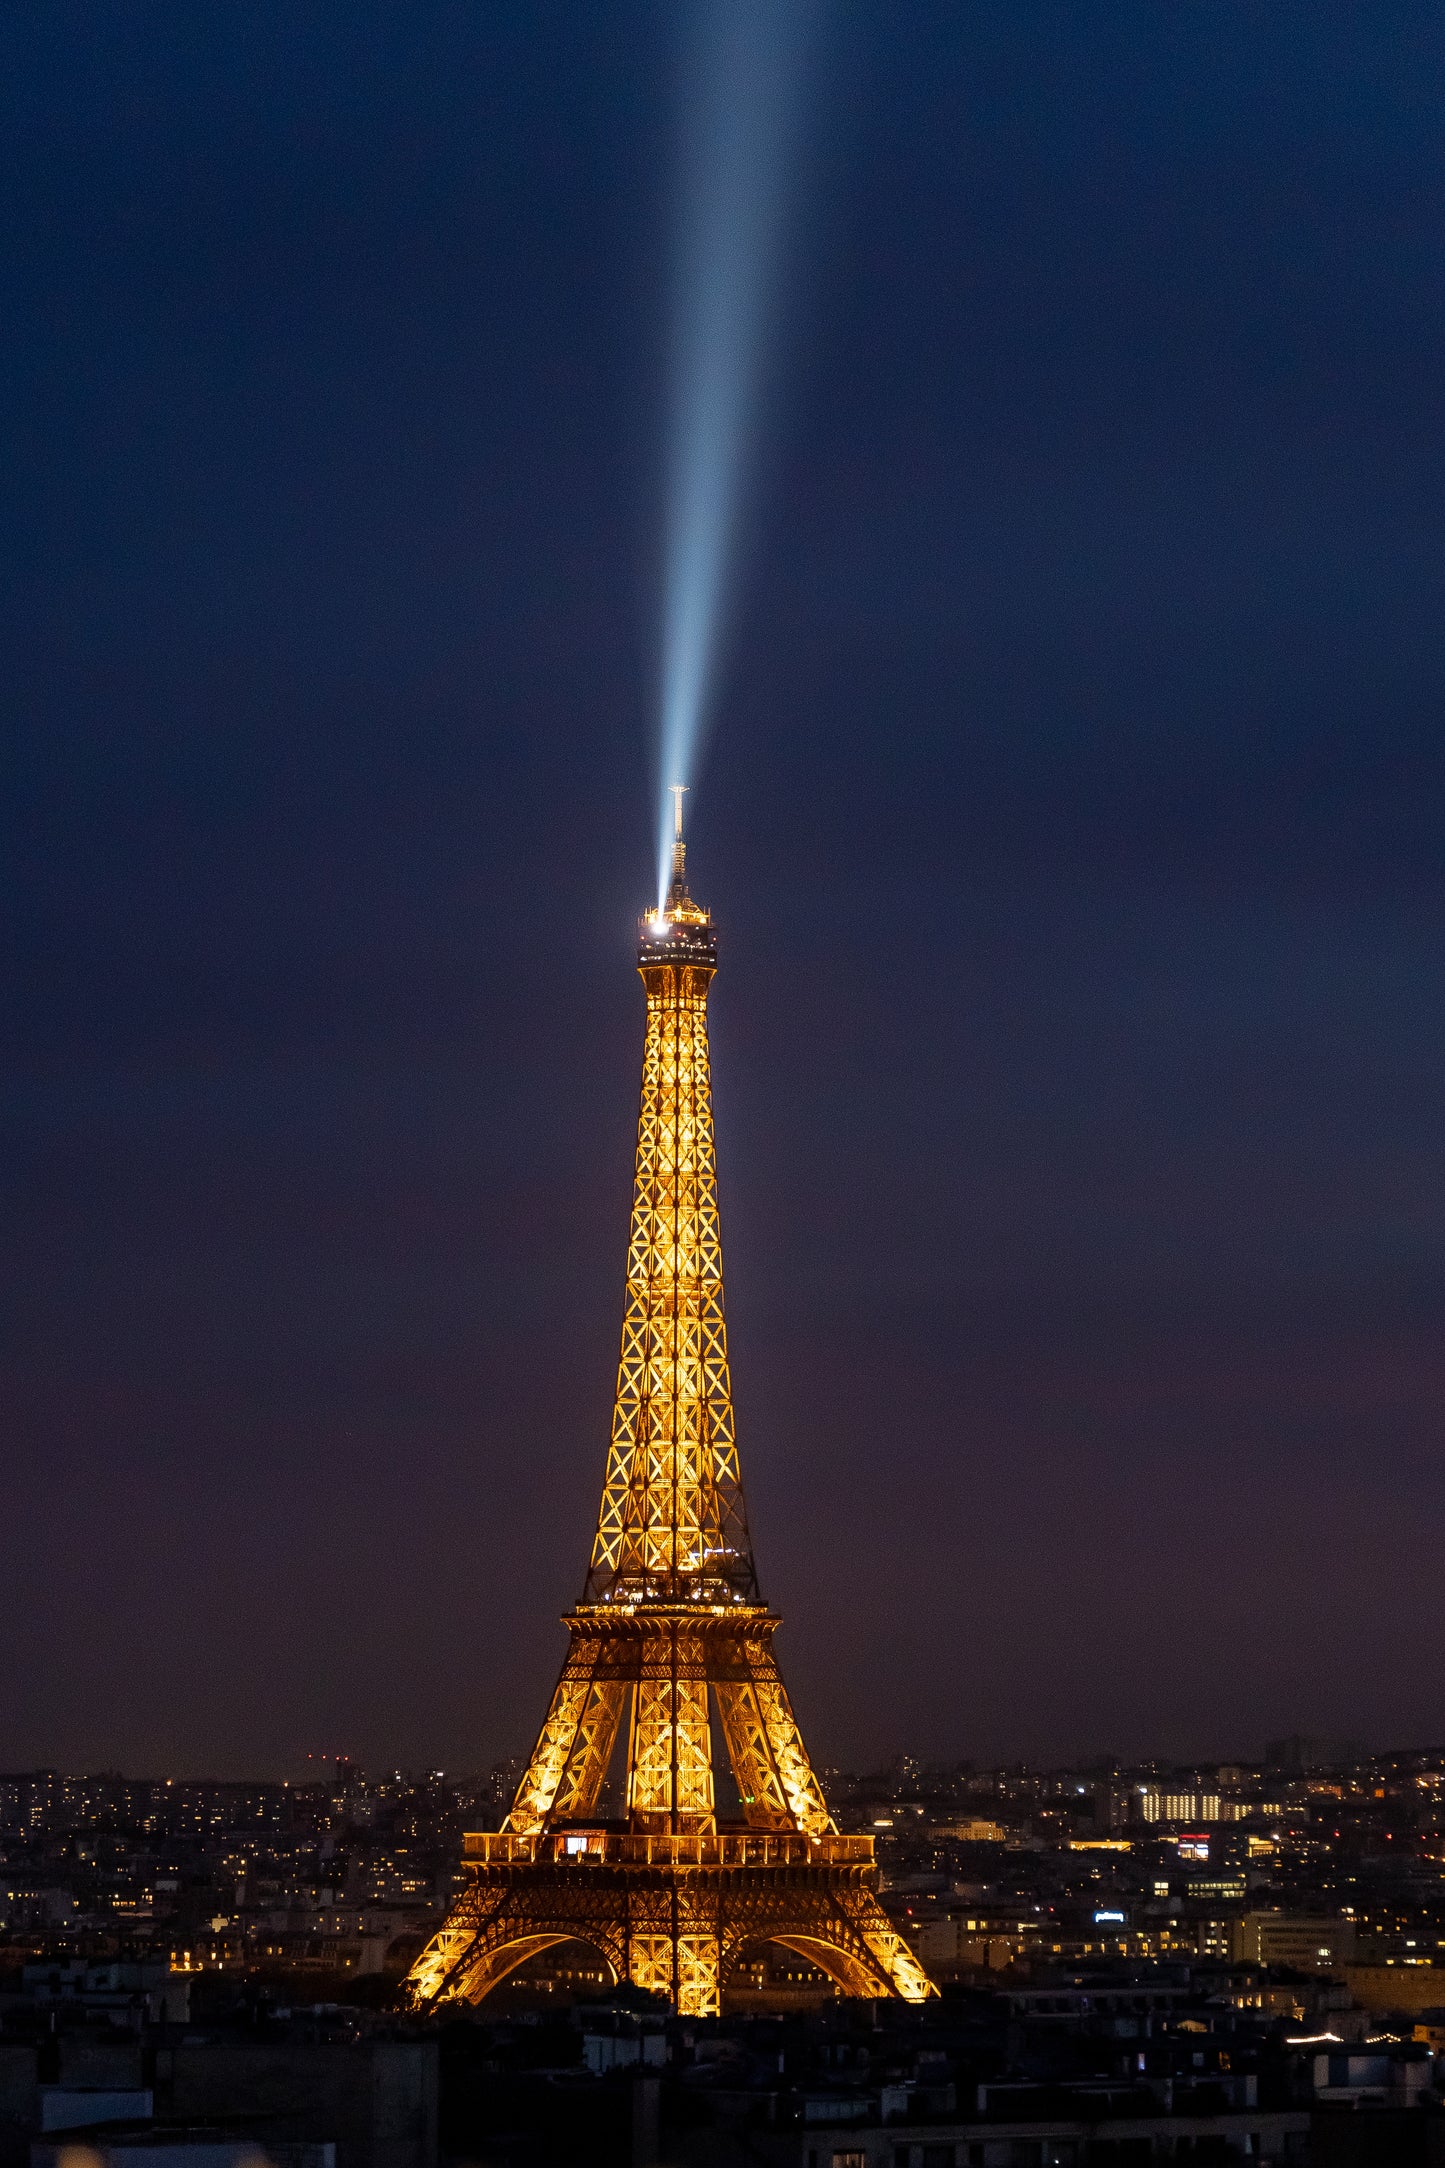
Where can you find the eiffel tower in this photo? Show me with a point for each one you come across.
(671, 1632)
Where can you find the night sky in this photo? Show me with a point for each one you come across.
(1073, 815)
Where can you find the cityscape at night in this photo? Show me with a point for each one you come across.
(722, 1039)
(1214, 1961)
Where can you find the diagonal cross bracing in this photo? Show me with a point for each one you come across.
(673, 1524)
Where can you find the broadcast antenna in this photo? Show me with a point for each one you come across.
(679, 848)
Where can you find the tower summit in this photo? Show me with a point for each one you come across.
(671, 1630)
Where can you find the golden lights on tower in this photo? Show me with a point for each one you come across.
(671, 1630)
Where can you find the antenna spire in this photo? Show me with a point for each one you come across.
(679, 848)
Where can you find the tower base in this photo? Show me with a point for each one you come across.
(670, 1914)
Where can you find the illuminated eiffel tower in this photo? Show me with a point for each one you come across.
(671, 1630)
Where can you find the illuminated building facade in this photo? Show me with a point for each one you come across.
(1158, 1804)
(670, 1633)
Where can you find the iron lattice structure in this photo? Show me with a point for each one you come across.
(671, 1631)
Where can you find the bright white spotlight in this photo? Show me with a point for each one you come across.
(742, 71)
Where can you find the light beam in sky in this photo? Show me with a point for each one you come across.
(740, 83)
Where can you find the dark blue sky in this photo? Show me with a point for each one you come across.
(1074, 816)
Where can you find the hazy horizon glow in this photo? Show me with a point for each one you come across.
(740, 74)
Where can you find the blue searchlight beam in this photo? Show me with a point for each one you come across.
(741, 77)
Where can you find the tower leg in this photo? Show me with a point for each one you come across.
(674, 1947)
(570, 1759)
(765, 1747)
(686, 1969)
(698, 1976)
(670, 1763)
